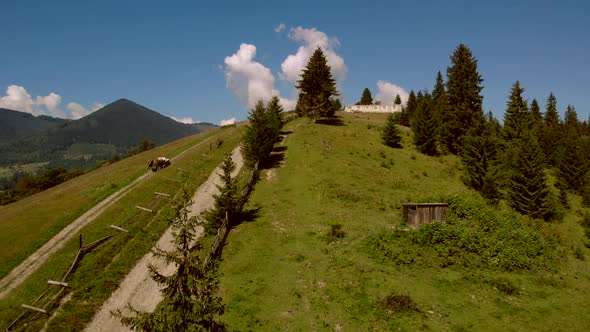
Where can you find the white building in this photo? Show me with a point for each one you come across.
(392, 108)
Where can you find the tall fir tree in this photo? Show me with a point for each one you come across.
(464, 100)
(570, 122)
(274, 111)
(316, 87)
(391, 135)
(190, 301)
(479, 151)
(259, 137)
(572, 167)
(408, 111)
(438, 108)
(528, 191)
(366, 98)
(226, 201)
(551, 132)
(517, 120)
(424, 125)
(537, 119)
(398, 100)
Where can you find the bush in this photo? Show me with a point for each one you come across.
(335, 232)
(396, 303)
(505, 286)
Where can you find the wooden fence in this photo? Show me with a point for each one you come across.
(417, 214)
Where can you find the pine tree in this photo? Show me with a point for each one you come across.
(316, 87)
(517, 120)
(438, 107)
(551, 131)
(528, 191)
(424, 125)
(391, 135)
(189, 300)
(226, 200)
(366, 98)
(478, 153)
(537, 119)
(570, 122)
(571, 166)
(464, 99)
(259, 137)
(274, 111)
(398, 100)
(408, 111)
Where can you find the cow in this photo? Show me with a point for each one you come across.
(160, 162)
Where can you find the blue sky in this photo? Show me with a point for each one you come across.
(67, 58)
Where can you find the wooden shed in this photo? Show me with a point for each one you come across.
(417, 214)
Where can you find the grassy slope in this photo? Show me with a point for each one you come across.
(280, 273)
(27, 224)
(100, 272)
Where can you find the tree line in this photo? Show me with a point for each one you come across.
(507, 160)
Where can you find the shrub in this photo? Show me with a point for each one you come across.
(335, 232)
(396, 303)
(505, 286)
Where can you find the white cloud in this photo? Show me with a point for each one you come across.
(96, 106)
(388, 91)
(17, 98)
(311, 39)
(280, 28)
(227, 122)
(51, 102)
(77, 111)
(186, 120)
(248, 79)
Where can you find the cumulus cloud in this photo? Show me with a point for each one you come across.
(187, 120)
(96, 106)
(77, 111)
(17, 98)
(311, 39)
(388, 91)
(280, 28)
(227, 122)
(248, 79)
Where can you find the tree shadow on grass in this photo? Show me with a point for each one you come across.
(274, 160)
(248, 215)
(336, 121)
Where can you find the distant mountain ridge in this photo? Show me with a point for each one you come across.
(114, 129)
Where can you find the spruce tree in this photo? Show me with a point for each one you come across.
(366, 98)
(479, 152)
(528, 191)
(570, 122)
(259, 137)
(464, 100)
(517, 120)
(274, 111)
(424, 125)
(408, 111)
(398, 100)
(551, 132)
(438, 108)
(227, 199)
(190, 301)
(391, 135)
(537, 119)
(316, 87)
(572, 167)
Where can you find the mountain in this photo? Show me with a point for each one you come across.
(15, 125)
(114, 129)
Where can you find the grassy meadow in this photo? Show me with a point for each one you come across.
(100, 271)
(329, 249)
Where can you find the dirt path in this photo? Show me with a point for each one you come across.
(138, 288)
(35, 260)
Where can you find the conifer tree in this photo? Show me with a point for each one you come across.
(572, 167)
(438, 108)
(528, 190)
(316, 87)
(274, 111)
(424, 125)
(464, 100)
(189, 300)
(570, 122)
(366, 98)
(517, 120)
(551, 131)
(479, 152)
(398, 100)
(259, 137)
(537, 119)
(391, 135)
(227, 199)
(409, 110)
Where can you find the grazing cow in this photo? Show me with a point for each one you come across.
(158, 163)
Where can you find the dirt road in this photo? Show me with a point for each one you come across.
(138, 288)
(35, 260)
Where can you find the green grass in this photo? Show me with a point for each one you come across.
(29, 223)
(292, 269)
(100, 271)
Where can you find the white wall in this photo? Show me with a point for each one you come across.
(373, 108)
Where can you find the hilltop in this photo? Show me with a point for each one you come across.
(112, 130)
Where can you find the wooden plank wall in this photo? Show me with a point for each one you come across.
(417, 214)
